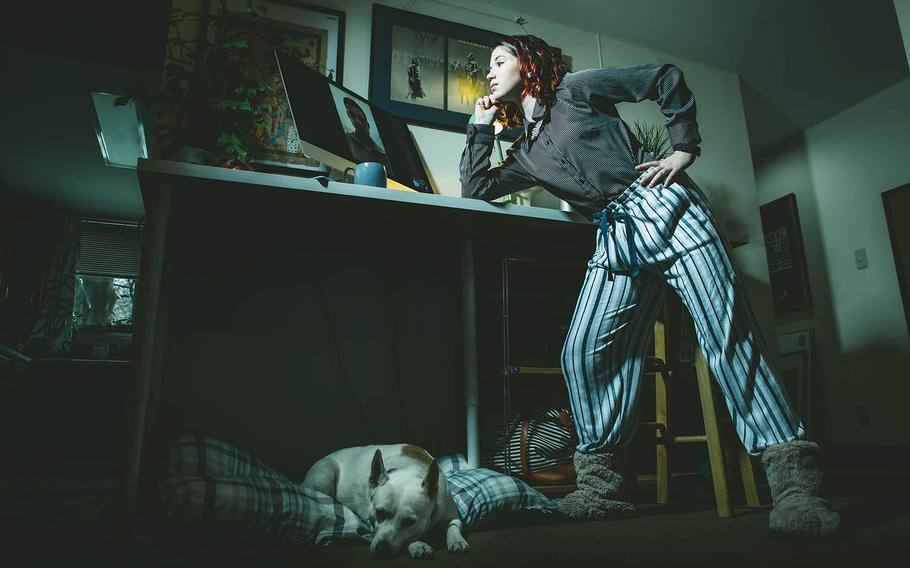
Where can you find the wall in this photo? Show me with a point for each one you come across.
(838, 171)
(724, 171)
(902, 7)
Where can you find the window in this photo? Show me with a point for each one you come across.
(106, 275)
(103, 300)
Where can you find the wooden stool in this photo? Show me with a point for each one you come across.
(663, 371)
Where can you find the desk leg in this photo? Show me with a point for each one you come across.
(148, 294)
(469, 347)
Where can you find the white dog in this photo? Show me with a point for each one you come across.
(397, 487)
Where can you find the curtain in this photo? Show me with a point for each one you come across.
(52, 331)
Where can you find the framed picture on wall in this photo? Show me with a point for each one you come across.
(796, 368)
(786, 255)
(427, 70)
(897, 211)
(318, 33)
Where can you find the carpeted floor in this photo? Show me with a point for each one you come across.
(58, 523)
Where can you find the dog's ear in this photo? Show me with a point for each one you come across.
(431, 481)
(377, 471)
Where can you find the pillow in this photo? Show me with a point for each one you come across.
(455, 462)
(203, 455)
(205, 479)
(484, 494)
(263, 506)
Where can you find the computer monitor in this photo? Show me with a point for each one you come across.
(342, 129)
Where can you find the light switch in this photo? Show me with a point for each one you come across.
(861, 260)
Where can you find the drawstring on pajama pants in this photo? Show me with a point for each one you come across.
(607, 220)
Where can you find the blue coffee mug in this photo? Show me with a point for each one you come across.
(369, 173)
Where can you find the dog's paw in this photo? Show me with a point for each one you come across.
(459, 546)
(419, 549)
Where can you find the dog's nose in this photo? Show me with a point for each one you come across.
(382, 548)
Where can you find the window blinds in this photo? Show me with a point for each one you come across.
(109, 249)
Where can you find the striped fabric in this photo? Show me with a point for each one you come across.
(676, 242)
(549, 444)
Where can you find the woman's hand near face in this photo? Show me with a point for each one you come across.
(666, 169)
(485, 110)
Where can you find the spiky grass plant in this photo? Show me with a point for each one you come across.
(653, 138)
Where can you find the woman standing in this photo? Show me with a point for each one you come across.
(655, 230)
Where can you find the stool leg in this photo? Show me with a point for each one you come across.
(660, 413)
(748, 476)
(663, 462)
(715, 451)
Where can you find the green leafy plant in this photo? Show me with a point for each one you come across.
(653, 138)
(219, 82)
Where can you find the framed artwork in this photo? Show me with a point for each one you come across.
(897, 209)
(429, 71)
(796, 368)
(786, 255)
(319, 33)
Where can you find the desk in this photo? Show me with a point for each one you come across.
(202, 200)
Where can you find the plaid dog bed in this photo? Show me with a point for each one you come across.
(207, 479)
(483, 493)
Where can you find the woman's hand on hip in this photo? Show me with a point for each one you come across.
(485, 110)
(666, 169)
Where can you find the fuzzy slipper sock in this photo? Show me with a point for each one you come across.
(599, 493)
(795, 478)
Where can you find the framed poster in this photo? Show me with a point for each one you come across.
(786, 255)
(796, 369)
(897, 210)
(318, 34)
(319, 31)
(427, 70)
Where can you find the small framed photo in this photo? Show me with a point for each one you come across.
(786, 255)
(360, 130)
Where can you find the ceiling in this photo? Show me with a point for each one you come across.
(800, 62)
(48, 148)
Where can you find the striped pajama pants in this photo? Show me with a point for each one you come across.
(659, 237)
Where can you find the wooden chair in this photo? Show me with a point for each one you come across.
(664, 372)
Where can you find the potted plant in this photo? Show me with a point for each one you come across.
(653, 138)
(219, 82)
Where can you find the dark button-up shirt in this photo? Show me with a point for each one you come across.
(578, 148)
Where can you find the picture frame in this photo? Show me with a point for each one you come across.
(897, 205)
(797, 359)
(786, 255)
(450, 62)
(325, 25)
(321, 34)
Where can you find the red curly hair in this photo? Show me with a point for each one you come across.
(540, 66)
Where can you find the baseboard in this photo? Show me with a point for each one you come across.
(874, 460)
